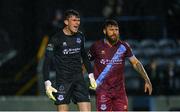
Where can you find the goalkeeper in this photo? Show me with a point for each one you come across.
(66, 50)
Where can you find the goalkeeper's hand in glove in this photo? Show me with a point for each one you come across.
(93, 84)
(50, 90)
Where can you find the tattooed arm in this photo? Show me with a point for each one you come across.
(140, 69)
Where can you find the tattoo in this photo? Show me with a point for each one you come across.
(141, 70)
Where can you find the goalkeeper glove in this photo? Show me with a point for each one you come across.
(50, 90)
(93, 84)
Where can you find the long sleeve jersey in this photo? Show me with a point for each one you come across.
(66, 53)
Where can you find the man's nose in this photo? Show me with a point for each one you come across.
(114, 32)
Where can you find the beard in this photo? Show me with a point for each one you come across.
(112, 40)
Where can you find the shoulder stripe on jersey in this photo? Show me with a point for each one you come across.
(116, 56)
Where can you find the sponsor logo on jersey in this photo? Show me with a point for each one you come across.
(71, 51)
(78, 40)
(113, 61)
(60, 97)
(103, 107)
(64, 44)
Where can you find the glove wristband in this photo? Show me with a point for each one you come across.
(91, 75)
(47, 83)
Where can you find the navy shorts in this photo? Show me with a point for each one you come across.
(76, 91)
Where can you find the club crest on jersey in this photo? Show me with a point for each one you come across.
(103, 107)
(60, 97)
(78, 40)
(64, 44)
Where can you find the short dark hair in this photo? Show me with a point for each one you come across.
(110, 22)
(71, 12)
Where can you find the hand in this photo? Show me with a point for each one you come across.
(93, 84)
(148, 87)
(49, 90)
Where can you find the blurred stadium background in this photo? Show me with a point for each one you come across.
(150, 26)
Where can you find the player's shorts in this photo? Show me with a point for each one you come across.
(75, 91)
(111, 100)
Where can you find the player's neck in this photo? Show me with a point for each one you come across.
(67, 31)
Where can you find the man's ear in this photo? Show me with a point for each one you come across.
(104, 31)
(66, 22)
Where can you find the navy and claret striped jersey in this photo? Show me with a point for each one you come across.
(109, 63)
(66, 53)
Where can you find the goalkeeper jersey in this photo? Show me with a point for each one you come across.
(66, 53)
